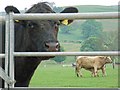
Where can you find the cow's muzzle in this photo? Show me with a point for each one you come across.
(52, 46)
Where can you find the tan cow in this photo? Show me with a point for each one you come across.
(92, 63)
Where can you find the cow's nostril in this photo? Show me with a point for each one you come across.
(47, 45)
(57, 46)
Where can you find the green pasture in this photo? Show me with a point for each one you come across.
(50, 74)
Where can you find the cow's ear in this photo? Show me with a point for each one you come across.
(68, 10)
(9, 9)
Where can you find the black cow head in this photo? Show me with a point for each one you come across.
(42, 34)
(35, 36)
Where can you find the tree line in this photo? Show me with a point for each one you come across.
(93, 38)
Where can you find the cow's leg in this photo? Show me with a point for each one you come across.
(95, 71)
(77, 70)
(80, 72)
(92, 72)
(103, 71)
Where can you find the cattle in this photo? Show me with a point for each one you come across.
(91, 63)
(34, 36)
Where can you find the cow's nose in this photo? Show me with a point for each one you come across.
(52, 46)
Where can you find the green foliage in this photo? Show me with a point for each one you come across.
(92, 44)
(91, 28)
(111, 43)
(92, 32)
(111, 40)
(65, 29)
(59, 59)
(69, 29)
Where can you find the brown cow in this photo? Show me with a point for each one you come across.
(92, 63)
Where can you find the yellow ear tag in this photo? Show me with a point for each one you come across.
(65, 22)
(17, 21)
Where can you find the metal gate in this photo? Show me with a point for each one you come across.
(9, 41)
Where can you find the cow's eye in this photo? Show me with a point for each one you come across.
(32, 25)
(56, 27)
(57, 23)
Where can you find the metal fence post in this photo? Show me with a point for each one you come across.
(7, 31)
(11, 63)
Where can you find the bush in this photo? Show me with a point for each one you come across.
(59, 59)
(92, 44)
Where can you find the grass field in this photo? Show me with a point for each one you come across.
(50, 74)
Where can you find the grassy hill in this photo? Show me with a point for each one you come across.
(109, 25)
(97, 8)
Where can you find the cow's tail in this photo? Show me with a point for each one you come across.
(76, 71)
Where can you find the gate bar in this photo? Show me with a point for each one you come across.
(59, 16)
(7, 79)
(98, 53)
(2, 55)
(54, 16)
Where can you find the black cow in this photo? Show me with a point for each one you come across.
(34, 36)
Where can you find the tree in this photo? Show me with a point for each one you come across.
(111, 40)
(92, 44)
(65, 29)
(91, 28)
(59, 59)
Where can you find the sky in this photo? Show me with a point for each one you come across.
(22, 4)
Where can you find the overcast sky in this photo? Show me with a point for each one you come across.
(22, 4)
